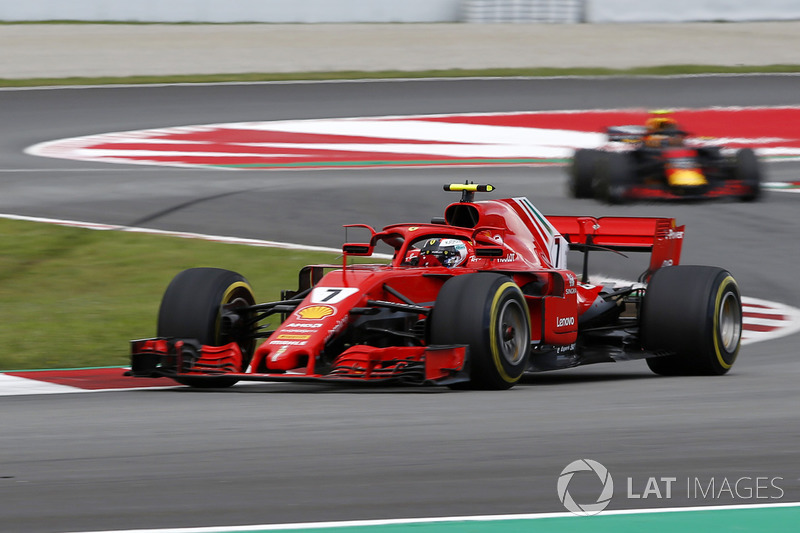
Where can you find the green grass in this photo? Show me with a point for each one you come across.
(665, 70)
(74, 297)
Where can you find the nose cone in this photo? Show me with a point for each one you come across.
(686, 178)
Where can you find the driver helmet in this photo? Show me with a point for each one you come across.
(661, 122)
(446, 252)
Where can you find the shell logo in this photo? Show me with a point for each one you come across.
(315, 312)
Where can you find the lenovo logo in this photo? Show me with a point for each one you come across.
(563, 322)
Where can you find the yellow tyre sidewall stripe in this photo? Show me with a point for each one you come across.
(225, 300)
(728, 281)
(493, 330)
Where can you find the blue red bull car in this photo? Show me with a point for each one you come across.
(473, 299)
(656, 162)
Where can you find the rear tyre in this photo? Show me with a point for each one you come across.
(747, 170)
(582, 173)
(192, 308)
(615, 177)
(487, 312)
(695, 313)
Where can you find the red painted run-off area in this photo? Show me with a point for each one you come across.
(728, 122)
(91, 378)
(365, 142)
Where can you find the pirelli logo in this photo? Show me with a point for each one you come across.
(287, 337)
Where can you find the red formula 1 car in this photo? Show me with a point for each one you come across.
(656, 162)
(473, 299)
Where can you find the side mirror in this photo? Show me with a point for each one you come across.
(489, 251)
(352, 248)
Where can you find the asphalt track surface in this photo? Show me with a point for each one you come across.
(273, 453)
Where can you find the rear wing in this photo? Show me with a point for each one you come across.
(659, 236)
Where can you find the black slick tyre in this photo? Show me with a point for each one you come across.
(695, 314)
(191, 308)
(487, 312)
(582, 172)
(746, 169)
(615, 177)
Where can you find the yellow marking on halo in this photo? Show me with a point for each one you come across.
(470, 187)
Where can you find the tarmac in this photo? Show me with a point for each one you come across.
(94, 50)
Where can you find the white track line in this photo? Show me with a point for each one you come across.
(400, 521)
(182, 234)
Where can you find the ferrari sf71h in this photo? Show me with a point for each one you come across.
(656, 162)
(474, 299)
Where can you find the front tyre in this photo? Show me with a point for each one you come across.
(615, 177)
(694, 312)
(192, 309)
(747, 170)
(487, 312)
(582, 172)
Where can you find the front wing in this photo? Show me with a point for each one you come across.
(416, 365)
(730, 188)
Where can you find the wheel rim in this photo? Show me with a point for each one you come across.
(239, 297)
(512, 332)
(730, 322)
